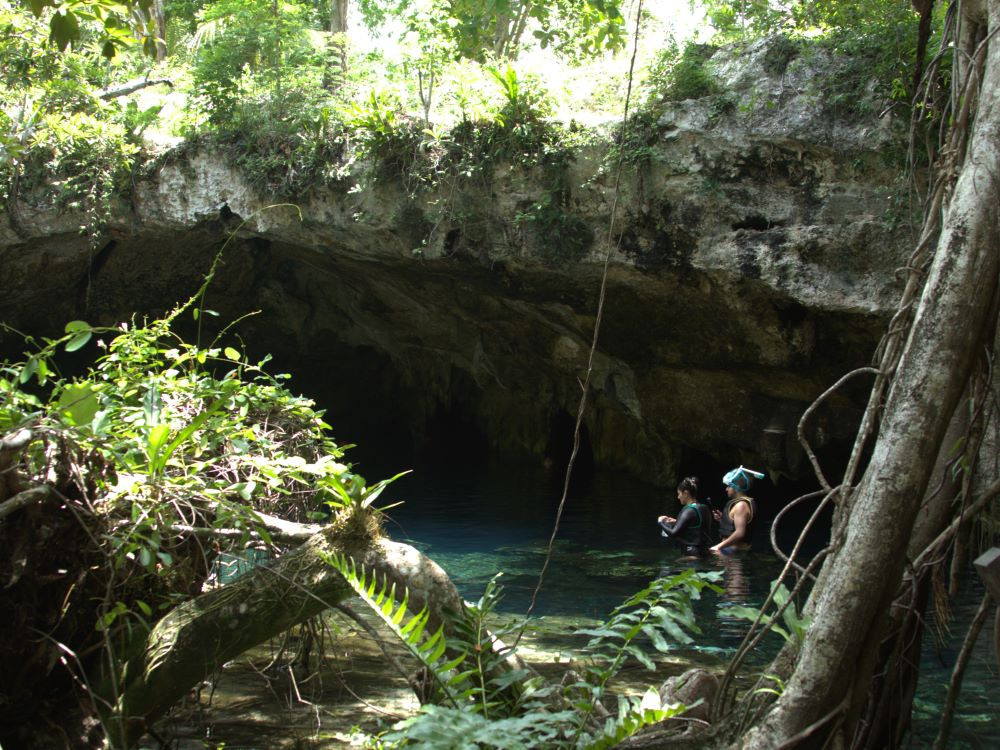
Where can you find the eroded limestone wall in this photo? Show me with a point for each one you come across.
(753, 264)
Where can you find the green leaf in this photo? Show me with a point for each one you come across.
(30, 368)
(659, 642)
(77, 341)
(64, 29)
(155, 441)
(371, 494)
(231, 353)
(79, 404)
(641, 656)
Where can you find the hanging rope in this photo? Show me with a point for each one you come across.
(612, 246)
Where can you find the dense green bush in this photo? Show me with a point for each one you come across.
(875, 56)
(255, 60)
(58, 140)
(682, 73)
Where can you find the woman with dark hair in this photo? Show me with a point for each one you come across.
(692, 529)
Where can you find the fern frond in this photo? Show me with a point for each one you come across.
(430, 651)
(633, 715)
(660, 611)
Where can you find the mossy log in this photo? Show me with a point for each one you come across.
(199, 636)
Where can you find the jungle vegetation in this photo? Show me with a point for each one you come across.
(121, 485)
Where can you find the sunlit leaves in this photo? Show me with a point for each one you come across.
(79, 404)
(81, 334)
(117, 24)
(795, 624)
(574, 27)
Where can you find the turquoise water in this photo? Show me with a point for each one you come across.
(479, 519)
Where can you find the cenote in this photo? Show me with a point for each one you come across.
(478, 517)
(275, 258)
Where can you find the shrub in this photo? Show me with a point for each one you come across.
(677, 75)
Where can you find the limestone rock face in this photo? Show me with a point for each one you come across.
(752, 263)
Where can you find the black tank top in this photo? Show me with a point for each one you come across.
(726, 525)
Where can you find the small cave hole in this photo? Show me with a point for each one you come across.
(756, 223)
(451, 240)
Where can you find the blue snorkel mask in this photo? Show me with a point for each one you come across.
(740, 479)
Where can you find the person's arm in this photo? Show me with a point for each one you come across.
(683, 519)
(741, 518)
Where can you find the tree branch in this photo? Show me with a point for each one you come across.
(192, 640)
(15, 441)
(133, 85)
(23, 499)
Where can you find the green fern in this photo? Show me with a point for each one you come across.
(444, 728)
(795, 623)
(498, 688)
(431, 650)
(491, 705)
(633, 715)
(662, 612)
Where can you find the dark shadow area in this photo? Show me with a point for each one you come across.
(756, 223)
(558, 450)
(451, 436)
(363, 401)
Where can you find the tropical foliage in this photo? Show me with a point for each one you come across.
(159, 444)
(481, 694)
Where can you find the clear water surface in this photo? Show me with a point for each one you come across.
(478, 520)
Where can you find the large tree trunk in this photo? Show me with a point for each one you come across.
(196, 638)
(850, 604)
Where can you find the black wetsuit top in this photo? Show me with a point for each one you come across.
(692, 529)
(726, 525)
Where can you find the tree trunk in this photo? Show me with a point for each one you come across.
(159, 16)
(196, 638)
(338, 16)
(337, 45)
(850, 604)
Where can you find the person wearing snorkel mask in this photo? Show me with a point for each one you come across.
(736, 520)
